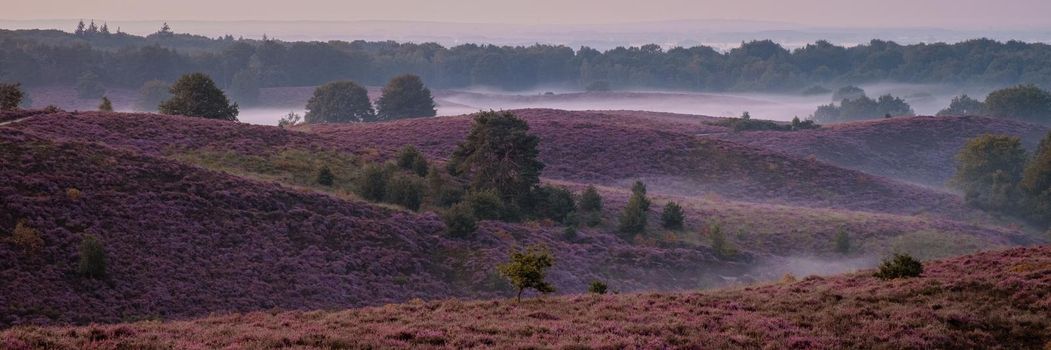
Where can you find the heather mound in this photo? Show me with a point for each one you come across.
(988, 300)
(915, 149)
(183, 241)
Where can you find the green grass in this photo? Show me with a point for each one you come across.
(293, 167)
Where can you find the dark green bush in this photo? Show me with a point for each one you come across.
(92, 258)
(443, 191)
(555, 203)
(373, 183)
(459, 221)
(409, 158)
(485, 204)
(406, 191)
(672, 217)
(10, 96)
(325, 177)
(899, 266)
(634, 216)
(843, 245)
(196, 95)
(597, 287)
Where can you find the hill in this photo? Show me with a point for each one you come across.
(914, 149)
(988, 300)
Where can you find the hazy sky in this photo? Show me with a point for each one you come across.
(958, 14)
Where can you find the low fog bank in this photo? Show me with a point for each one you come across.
(774, 268)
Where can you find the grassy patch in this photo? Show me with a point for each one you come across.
(295, 167)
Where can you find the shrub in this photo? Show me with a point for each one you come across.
(325, 177)
(105, 105)
(1026, 102)
(459, 221)
(406, 191)
(405, 96)
(289, 120)
(340, 102)
(899, 266)
(485, 204)
(409, 158)
(597, 287)
(73, 194)
(443, 191)
(151, 94)
(92, 258)
(373, 183)
(590, 207)
(528, 269)
(555, 203)
(196, 95)
(842, 242)
(10, 96)
(721, 247)
(633, 217)
(988, 169)
(88, 86)
(27, 238)
(501, 155)
(672, 216)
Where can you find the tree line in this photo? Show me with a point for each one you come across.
(36, 57)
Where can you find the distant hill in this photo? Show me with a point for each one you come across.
(987, 300)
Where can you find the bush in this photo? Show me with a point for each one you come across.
(10, 96)
(105, 105)
(325, 177)
(289, 120)
(485, 204)
(1026, 102)
(409, 158)
(92, 258)
(633, 217)
(196, 95)
(528, 269)
(590, 207)
(720, 246)
(406, 191)
(899, 266)
(403, 97)
(862, 108)
(88, 86)
(459, 221)
(443, 191)
(340, 102)
(373, 183)
(73, 194)
(597, 287)
(27, 238)
(151, 94)
(672, 216)
(988, 170)
(842, 242)
(555, 203)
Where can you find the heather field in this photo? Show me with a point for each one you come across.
(991, 300)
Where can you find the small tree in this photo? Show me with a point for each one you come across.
(842, 242)
(373, 185)
(289, 120)
(555, 203)
(597, 287)
(340, 102)
(528, 269)
(672, 216)
(633, 218)
(988, 169)
(105, 105)
(88, 86)
(899, 266)
(151, 94)
(406, 191)
(92, 258)
(591, 206)
(409, 158)
(196, 95)
(720, 245)
(485, 204)
(325, 176)
(459, 221)
(10, 96)
(405, 97)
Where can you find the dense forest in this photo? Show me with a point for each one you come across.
(44, 57)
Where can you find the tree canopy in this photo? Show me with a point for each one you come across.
(196, 95)
(1026, 102)
(405, 97)
(340, 102)
(988, 169)
(528, 269)
(499, 154)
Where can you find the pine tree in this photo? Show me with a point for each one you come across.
(196, 95)
(80, 28)
(106, 105)
(633, 218)
(672, 216)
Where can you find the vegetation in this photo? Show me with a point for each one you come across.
(10, 96)
(843, 245)
(405, 97)
(899, 266)
(196, 95)
(460, 221)
(409, 158)
(325, 177)
(485, 204)
(862, 108)
(92, 258)
(373, 185)
(89, 86)
(988, 170)
(289, 120)
(405, 190)
(1025, 102)
(633, 217)
(555, 203)
(597, 287)
(105, 105)
(340, 102)
(720, 245)
(528, 270)
(672, 216)
(964, 105)
(590, 207)
(746, 123)
(1036, 183)
(499, 154)
(151, 94)
(27, 237)
(848, 93)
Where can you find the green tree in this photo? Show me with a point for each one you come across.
(105, 105)
(195, 95)
(340, 102)
(672, 216)
(442, 190)
(988, 170)
(409, 158)
(151, 94)
(590, 206)
(528, 269)
(405, 96)
(244, 88)
(325, 177)
(899, 266)
(460, 221)
(89, 86)
(720, 245)
(842, 242)
(1026, 102)
(634, 216)
(373, 185)
(1036, 182)
(92, 258)
(10, 96)
(485, 204)
(501, 155)
(406, 191)
(963, 105)
(555, 203)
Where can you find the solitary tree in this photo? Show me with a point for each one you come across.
(10, 96)
(899, 266)
(105, 105)
(633, 218)
(405, 97)
(92, 258)
(672, 216)
(196, 95)
(988, 169)
(340, 102)
(501, 155)
(527, 269)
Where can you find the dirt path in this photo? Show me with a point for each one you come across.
(15, 121)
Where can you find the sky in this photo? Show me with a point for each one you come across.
(950, 14)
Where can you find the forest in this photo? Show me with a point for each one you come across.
(53, 57)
